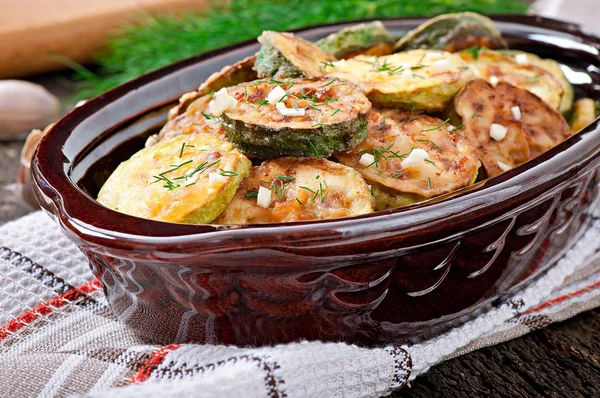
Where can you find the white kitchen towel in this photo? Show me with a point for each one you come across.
(59, 338)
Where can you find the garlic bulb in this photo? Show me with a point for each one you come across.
(25, 106)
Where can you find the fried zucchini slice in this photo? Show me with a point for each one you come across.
(240, 72)
(298, 189)
(186, 179)
(495, 67)
(552, 67)
(387, 155)
(370, 38)
(418, 79)
(194, 120)
(532, 126)
(387, 198)
(584, 113)
(284, 55)
(331, 117)
(453, 32)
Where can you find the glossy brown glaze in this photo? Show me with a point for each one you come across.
(394, 276)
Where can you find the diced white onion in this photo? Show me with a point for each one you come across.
(366, 159)
(498, 131)
(450, 128)
(216, 179)
(263, 199)
(521, 59)
(285, 111)
(493, 80)
(339, 64)
(275, 95)
(443, 65)
(516, 112)
(406, 74)
(221, 102)
(503, 166)
(430, 56)
(416, 157)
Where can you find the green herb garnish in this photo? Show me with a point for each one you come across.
(330, 82)
(228, 173)
(199, 169)
(445, 122)
(313, 148)
(261, 103)
(474, 51)
(286, 178)
(433, 144)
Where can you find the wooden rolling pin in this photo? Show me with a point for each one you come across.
(32, 31)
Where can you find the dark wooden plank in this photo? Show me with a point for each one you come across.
(562, 360)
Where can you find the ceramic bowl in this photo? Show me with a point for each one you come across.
(394, 276)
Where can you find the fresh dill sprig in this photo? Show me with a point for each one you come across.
(251, 194)
(228, 173)
(313, 148)
(445, 122)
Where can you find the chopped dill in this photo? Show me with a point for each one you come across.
(251, 194)
(313, 148)
(445, 122)
(228, 173)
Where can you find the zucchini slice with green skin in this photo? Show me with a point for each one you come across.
(531, 126)
(584, 113)
(358, 39)
(387, 155)
(495, 67)
(387, 198)
(453, 32)
(298, 189)
(284, 55)
(418, 79)
(194, 120)
(551, 66)
(240, 72)
(187, 179)
(333, 120)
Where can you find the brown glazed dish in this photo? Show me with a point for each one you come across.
(393, 276)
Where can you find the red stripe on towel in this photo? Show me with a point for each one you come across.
(152, 363)
(48, 307)
(560, 299)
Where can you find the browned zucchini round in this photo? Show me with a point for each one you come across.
(241, 71)
(453, 32)
(298, 189)
(495, 67)
(371, 38)
(414, 155)
(419, 79)
(314, 117)
(194, 120)
(528, 126)
(284, 55)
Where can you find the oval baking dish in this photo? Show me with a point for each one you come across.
(393, 276)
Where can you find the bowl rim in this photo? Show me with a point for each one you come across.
(86, 219)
